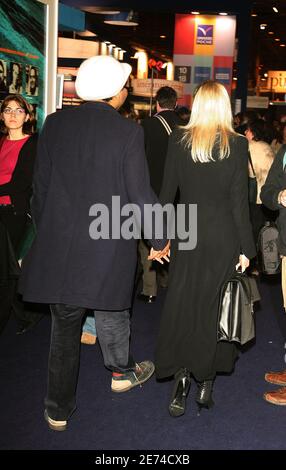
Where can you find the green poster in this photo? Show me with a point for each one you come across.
(22, 52)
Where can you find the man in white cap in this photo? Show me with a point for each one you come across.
(86, 156)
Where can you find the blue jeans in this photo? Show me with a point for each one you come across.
(89, 325)
(113, 330)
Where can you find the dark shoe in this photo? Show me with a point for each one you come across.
(204, 394)
(124, 382)
(277, 378)
(148, 299)
(277, 397)
(181, 389)
(55, 425)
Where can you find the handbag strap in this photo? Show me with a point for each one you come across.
(284, 161)
(165, 124)
(250, 161)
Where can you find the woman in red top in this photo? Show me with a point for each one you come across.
(17, 155)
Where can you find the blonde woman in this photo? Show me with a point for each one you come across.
(207, 161)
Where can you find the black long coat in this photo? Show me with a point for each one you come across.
(187, 336)
(85, 156)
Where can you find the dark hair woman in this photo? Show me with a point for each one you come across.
(17, 155)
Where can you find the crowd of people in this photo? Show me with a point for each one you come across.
(201, 156)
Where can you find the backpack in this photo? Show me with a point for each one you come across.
(267, 247)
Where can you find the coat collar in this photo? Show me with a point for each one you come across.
(98, 105)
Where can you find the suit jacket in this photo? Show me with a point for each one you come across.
(85, 156)
(156, 145)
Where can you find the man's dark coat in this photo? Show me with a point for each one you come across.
(85, 156)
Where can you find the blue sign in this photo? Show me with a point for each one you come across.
(202, 74)
(222, 75)
(205, 33)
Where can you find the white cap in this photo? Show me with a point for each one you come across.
(101, 77)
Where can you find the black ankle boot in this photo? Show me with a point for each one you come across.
(177, 404)
(204, 394)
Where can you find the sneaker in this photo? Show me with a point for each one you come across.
(277, 397)
(277, 378)
(87, 338)
(55, 425)
(124, 382)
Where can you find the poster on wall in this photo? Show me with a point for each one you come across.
(204, 48)
(22, 52)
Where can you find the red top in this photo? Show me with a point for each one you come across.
(9, 154)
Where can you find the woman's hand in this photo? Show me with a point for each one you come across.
(159, 255)
(282, 198)
(243, 263)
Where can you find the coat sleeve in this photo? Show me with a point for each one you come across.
(170, 179)
(42, 174)
(138, 186)
(22, 176)
(239, 201)
(274, 182)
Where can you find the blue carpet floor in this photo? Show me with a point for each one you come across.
(139, 419)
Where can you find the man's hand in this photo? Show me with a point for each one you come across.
(159, 255)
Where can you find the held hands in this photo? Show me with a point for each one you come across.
(159, 255)
(243, 263)
(282, 198)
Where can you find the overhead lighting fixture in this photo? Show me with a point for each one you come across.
(263, 25)
(87, 34)
(282, 45)
(222, 13)
(100, 10)
(270, 32)
(123, 19)
(195, 12)
(275, 9)
(277, 39)
(163, 36)
(254, 14)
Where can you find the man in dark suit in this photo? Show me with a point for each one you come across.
(86, 157)
(157, 130)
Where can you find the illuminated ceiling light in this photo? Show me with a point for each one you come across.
(163, 36)
(266, 74)
(195, 12)
(223, 13)
(234, 78)
(263, 25)
(275, 9)
(282, 45)
(123, 19)
(277, 39)
(100, 10)
(86, 33)
(254, 14)
(107, 42)
(270, 32)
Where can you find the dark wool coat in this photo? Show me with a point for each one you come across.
(19, 187)
(156, 145)
(85, 156)
(187, 336)
(276, 182)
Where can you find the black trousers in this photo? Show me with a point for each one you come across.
(113, 332)
(10, 301)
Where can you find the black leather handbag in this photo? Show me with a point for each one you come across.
(235, 316)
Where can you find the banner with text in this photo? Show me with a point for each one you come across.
(203, 50)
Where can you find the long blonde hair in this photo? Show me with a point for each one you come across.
(210, 123)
